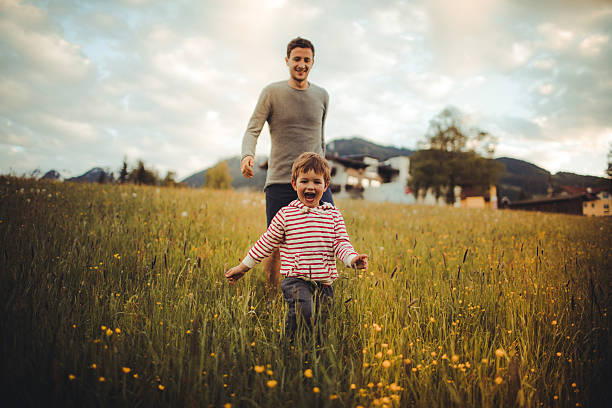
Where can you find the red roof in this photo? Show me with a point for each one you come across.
(572, 190)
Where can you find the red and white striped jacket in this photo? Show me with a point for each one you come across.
(309, 240)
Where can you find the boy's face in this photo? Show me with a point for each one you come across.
(310, 187)
(300, 61)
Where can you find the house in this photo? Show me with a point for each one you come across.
(476, 198)
(571, 200)
(598, 202)
(368, 178)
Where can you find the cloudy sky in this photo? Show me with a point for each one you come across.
(87, 83)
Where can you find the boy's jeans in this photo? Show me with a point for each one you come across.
(307, 300)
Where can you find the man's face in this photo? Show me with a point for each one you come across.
(310, 187)
(299, 62)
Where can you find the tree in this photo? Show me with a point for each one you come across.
(609, 170)
(140, 175)
(218, 177)
(123, 173)
(170, 179)
(452, 155)
(102, 177)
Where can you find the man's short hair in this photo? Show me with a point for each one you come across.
(311, 161)
(299, 42)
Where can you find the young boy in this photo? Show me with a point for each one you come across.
(310, 235)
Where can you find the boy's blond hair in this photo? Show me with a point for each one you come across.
(311, 161)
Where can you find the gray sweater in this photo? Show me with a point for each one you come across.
(296, 119)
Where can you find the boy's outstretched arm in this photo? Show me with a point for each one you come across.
(236, 272)
(360, 262)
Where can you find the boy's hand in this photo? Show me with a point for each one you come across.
(360, 262)
(246, 166)
(236, 272)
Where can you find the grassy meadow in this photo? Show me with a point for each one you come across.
(115, 296)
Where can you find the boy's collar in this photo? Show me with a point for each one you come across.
(320, 208)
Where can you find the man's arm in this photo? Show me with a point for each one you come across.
(249, 140)
(325, 105)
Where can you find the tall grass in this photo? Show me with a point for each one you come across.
(115, 295)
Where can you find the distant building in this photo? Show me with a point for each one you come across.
(477, 198)
(368, 178)
(571, 200)
(598, 204)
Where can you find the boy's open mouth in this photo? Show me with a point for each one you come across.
(309, 196)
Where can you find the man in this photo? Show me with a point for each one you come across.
(295, 110)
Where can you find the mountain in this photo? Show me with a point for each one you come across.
(525, 180)
(238, 181)
(92, 176)
(521, 179)
(52, 175)
(357, 146)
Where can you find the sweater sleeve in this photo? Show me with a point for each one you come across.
(325, 106)
(258, 119)
(342, 244)
(272, 238)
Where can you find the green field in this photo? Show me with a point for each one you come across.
(115, 296)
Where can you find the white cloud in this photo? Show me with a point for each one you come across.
(48, 56)
(555, 38)
(430, 85)
(74, 130)
(592, 45)
(544, 64)
(14, 95)
(521, 52)
(546, 89)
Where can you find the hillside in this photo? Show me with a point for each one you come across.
(526, 180)
(91, 176)
(358, 146)
(238, 181)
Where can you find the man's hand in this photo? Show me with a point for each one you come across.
(236, 272)
(360, 262)
(246, 166)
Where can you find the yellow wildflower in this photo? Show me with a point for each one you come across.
(126, 369)
(259, 369)
(161, 387)
(271, 383)
(308, 373)
(71, 377)
(316, 390)
(386, 364)
(498, 380)
(101, 379)
(500, 352)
